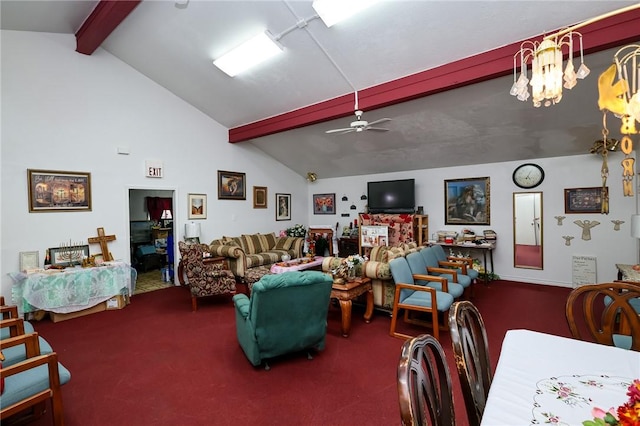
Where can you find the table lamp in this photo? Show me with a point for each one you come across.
(192, 230)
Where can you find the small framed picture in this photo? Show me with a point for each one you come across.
(584, 200)
(231, 186)
(324, 203)
(68, 255)
(259, 197)
(197, 206)
(29, 260)
(283, 206)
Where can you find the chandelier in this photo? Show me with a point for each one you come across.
(547, 74)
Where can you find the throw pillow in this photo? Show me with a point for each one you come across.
(284, 243)
(268, 241)
(252, 244)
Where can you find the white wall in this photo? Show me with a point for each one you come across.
(609, 246)
(65, 111)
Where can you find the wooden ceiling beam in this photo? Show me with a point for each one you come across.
(606, 34)
(106, 16)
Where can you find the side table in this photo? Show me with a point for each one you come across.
(345, 293)
(180, 272)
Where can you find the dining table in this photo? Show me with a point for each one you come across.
(547, 379)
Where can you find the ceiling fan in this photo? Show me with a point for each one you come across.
(360, 125)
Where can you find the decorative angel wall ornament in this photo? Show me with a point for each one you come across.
(586, 226)
(559, 219)
(616, 224)
(567, 239)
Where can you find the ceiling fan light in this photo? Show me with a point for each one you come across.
(249, 54)
(333, 11)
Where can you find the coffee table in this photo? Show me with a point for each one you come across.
(345, 293)
(296, 265)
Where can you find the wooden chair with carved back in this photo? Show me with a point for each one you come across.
(424, 384)
(606, 313)
(471, 352)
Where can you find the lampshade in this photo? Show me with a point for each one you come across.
(635, 225)
(192, 230)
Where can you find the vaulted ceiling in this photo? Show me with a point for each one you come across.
(440, 70)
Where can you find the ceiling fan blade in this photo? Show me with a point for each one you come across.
(382, 120)
(347, 129)
(376, 129)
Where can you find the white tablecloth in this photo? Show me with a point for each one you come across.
(542, 378)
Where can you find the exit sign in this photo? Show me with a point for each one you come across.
(153, 169)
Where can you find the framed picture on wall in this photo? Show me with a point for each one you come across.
(55, 191)
(467, 201)
(584, 200)
(259, 197)
(29, 260)
(231, 185)
(324, 203)
(283, 206)
(197, 206)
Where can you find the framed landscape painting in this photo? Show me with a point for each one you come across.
(467, 201)
(231, 185)
(55, 191)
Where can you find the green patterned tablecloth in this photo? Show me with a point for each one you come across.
(71, 289)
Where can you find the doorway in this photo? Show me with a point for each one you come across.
(151, 242)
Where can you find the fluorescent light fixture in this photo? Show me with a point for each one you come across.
(250, 53)
(333, 11)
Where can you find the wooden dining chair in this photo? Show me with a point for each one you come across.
(424, 384)
(471, 352)
(606, 313)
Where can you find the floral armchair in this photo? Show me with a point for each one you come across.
(204, 279)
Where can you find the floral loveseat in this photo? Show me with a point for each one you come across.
(377, 268)
(255, 250)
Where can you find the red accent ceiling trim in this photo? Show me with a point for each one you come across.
(615, 31)
(107, 15)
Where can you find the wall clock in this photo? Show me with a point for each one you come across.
(528, 175)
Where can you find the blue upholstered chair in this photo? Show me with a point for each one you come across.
(466, 266)
(419, 267)
(15, 353)
(285, 313)
(438, 268)
(28, 384)
(410, 296)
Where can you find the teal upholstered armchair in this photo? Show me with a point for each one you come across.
(286, 313)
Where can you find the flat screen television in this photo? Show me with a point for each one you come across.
(391, 196)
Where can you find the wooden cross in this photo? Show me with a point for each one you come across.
(102, 240)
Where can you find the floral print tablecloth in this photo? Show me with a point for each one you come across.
(71, 289)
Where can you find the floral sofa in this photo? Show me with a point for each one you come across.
(377, 268)
(246, 252)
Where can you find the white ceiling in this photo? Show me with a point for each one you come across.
(478, 123)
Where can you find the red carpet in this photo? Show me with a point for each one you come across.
(157, 363)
